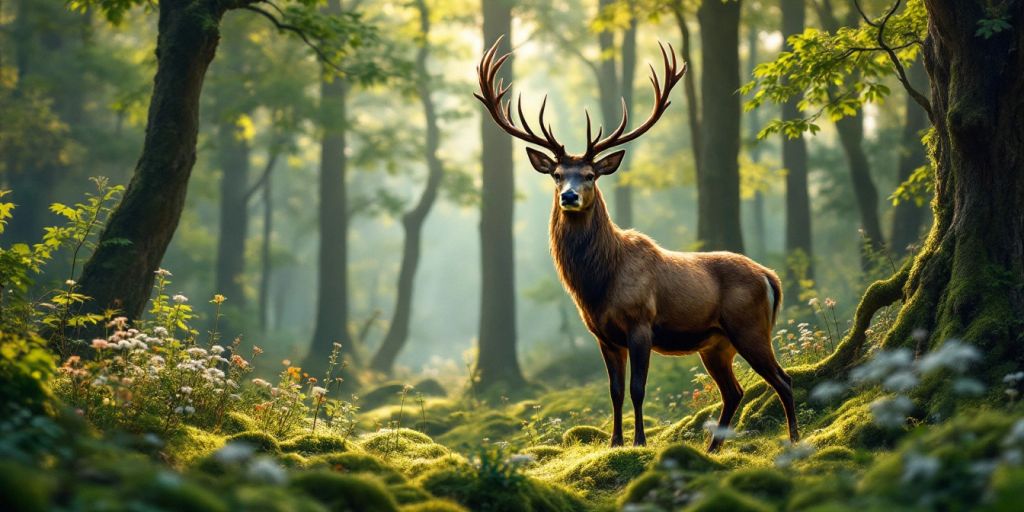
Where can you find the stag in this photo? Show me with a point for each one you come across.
(633, 295)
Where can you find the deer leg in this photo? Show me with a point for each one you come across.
(615, 362)
(757, 350)
(718, 363)
(639, 362)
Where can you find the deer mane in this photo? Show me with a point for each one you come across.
(586, 249)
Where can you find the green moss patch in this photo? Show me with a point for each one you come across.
(312, 444)
(338, 491)
(686, 458)
(351, 462)
(585, 434)
(498, 492)
(259, 441)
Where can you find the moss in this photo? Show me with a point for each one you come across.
(235, 422)
(403, 443)
(312, 444)
(385, 394)
(506, 493)
(351, 462)
(260, 441)
(543, 452)
(765, 483)
(23, 488)
(271, 498)
(686, 458)
(608, 470)
(853, 425)
(1007, 490)
(406, 494)
(292, 460)
(344, 492)
(175, 494)
(814, 492)
(834, 453)
(492, 425)
(585, 434)
(190, 444)
(722, 500)
(642, 487)
(434, 505)
(430, 387)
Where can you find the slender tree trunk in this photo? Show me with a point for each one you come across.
(690, 87)
(610, 88)
(718, 183)
(851, 137)
(412, 221)
(966, 282)
(624, 191)
(266, 265)
(332, 282)
(496, 358)
(908, 216)
(120, 272)
(759, 249)
(794, 160)
(233, 158)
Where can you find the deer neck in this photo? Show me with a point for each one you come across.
(585, 247)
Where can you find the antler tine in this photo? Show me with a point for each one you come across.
(590, 141)
(522, 118)
(661, 103)
(548, 134)
(492, 95)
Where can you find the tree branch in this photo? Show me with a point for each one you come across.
(263, 177)
(281, 25)
(901, 72)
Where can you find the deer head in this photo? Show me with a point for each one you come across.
(575, 176)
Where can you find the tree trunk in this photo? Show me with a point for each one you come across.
(794, 160)
(266, 266)
(120, 272)
(966, 282)
(496, 358)
(759, 249)
(412, 221)
(690, 86)
(332, 282)
(233, 158)
(624, 191)
(611, 93)
(851, 137)
(718, 183)
(908, 216)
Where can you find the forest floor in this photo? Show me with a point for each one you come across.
(416, 448)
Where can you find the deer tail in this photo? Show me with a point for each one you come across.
(774, 294)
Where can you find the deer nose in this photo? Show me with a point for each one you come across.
(570, 197)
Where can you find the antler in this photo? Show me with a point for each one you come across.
(661, 103)
(491, 96)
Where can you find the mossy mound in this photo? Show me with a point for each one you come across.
(608, 470)
(585, 434)
(24, 489)
(722, 500)
(765, 483)
(338, 491)
(644, 489)
(385, 394)
(435, 505)
(686, 458)
(313, 444)
(259, 441)
(498, 491)
(430, 387)
(190, 444)
(853, 425)
(402, 441)
(235, 422)
(492, 426)
(272, 498)
(352, 462)
(543, 452)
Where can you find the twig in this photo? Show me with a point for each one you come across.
(281, 25)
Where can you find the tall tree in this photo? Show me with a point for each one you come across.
(120, 273)
(689, 83)
(332, 262)
(615, 86)
(759, 244)
(718, 183)
(909, 215)
(496, 358)
(412, 221)
(794, 160)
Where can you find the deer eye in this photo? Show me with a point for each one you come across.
(556, 176)
(589, 177)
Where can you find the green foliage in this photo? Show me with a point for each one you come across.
(345, 492)
(836, 72)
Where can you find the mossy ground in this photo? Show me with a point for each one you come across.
(546, 453)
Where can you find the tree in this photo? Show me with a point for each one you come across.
(718, 183)
(794, 160)
(496, 357)
(909, 213)
(412, 221)
(120, 273)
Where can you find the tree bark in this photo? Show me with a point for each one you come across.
(690, 87)
(266, 265)
(332, 282)
(794, 160)
(718, 183)
(611, 91)
(120, 272)
(496, 358)
(908, 216)
(412, 221)
(759, 249)
(966, 282)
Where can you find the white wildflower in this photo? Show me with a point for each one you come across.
(827, 391)
(968, 387)
(891, 412)
(186, 390)
(318, 392)
(160, 331)
(234, 453)
(900, 381)
(179, 299)
(260, 382)
(100, 344)
(163, 272)
(265, 470)
(216, 350)
(521, 459)
(794, 453)
(885, 363)
(918, 467)
(953, 355)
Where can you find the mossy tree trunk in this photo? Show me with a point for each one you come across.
(718, 183)
(967, 282)
(412, 221)
(120, 272)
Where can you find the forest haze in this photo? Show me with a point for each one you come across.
(277, 252)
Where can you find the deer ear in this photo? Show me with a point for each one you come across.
(541, 162)
(610, 163)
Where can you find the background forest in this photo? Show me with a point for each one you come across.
(274, 256)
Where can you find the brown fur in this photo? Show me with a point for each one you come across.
(636, 297)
